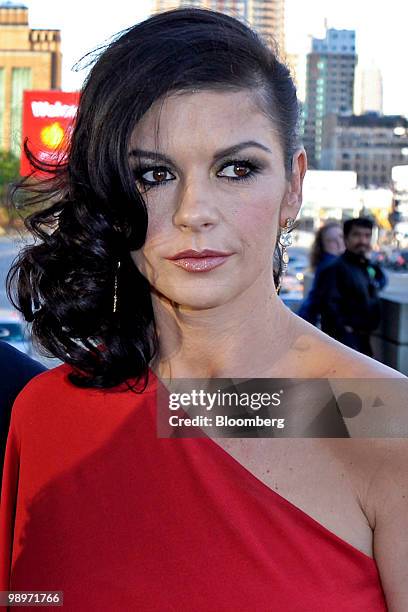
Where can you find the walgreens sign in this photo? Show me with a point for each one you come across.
(48, 120)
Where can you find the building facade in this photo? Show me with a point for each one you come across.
(369, 144)
(297, 66)
(265, 16)
(368, 90)
(400, 204)
(329, 86)
(29, 59)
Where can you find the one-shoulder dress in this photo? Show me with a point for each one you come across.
(96, 505)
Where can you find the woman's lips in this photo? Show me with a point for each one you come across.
(200, 264)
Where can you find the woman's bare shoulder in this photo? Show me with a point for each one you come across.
(378, 472)
(328, 358)
(378, 468)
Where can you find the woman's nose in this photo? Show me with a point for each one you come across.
(196, 209)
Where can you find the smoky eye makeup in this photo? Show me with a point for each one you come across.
(149, 174)
(251, 168)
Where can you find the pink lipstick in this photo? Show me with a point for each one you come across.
(199, 261)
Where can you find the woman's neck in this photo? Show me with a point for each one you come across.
(240, 339)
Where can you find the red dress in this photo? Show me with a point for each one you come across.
(95, 505)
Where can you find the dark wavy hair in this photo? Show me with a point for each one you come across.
(94, 213)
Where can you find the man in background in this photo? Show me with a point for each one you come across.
(16, 369)
(349, 288)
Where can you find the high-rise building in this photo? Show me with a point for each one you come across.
(297, 65)
(265, 16)
(368, 90)
(29, 59)
(268, 18)
(164, 5)
(369, 144)
(329, 86)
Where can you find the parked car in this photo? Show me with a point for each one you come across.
(398, 261)
(13, 331)
(293, 279)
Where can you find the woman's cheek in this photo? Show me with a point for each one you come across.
(257, 217)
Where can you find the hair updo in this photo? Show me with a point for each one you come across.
(63, 283)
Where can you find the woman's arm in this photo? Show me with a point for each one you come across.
(389, 499)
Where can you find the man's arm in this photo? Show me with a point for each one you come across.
(331, 289)
(380, 277)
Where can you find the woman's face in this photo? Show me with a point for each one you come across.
(333, 240)
(218, 183)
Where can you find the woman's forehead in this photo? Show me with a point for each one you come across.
(207, 118)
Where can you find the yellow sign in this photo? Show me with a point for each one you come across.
(52, 135)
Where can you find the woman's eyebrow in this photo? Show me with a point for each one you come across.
(217, 155)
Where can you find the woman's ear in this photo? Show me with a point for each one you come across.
(293, 197)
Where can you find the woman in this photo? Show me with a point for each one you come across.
(185, 141)
(328, 244)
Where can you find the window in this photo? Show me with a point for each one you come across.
(2, 105)
(20, 80)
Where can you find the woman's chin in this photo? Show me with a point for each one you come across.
(198, 299)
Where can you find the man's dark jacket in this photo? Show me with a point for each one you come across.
(349, 295)
(16, 369)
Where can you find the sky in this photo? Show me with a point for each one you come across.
(381, 33)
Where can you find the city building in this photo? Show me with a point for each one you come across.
(265, 16)
(329, 195)
(329, 86)
(29, 59)
(368, 93)
(297, 65)
(400, 204)
(369, 144)
(335, 194)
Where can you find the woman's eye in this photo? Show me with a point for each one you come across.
(153, 176)
(239, 170)
(233, 170)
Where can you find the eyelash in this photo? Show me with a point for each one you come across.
(253, 167)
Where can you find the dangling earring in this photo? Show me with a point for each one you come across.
(115, 289)
(285, 240)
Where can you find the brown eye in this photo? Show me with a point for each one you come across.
(240, 170)
(153, 176)
(159, 175)
(235, 170)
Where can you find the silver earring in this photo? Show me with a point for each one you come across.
(285, 240)
(115, 289)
